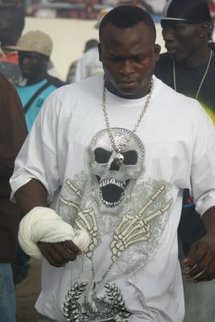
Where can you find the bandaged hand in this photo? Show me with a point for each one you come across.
(43, 233)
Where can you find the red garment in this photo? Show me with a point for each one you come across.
(12, 134)
(11, 58)
(212, 11)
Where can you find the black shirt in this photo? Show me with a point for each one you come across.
(188, 81)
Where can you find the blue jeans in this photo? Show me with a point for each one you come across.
(7, 294)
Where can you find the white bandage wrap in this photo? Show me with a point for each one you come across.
(43, 224)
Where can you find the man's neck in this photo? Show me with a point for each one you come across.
(199, 58)
(36, 80)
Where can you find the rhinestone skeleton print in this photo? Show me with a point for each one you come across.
(123, 234)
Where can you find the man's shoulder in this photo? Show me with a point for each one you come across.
(170, 95)
(84, 90)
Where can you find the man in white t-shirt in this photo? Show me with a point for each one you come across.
(89, 63)
(101, 179)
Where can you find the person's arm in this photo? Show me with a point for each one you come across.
(31, 195)
(34, 183)
(200, 262)
(13, 130)
(209, 220)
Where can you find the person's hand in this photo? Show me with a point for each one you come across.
(58, 254)
(199, 265)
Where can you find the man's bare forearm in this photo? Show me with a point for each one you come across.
(32, 194)
(209, 220)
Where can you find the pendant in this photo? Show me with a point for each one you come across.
(119, 158)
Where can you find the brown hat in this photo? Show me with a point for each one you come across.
(34, 41)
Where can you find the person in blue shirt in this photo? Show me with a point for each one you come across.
(34, 50)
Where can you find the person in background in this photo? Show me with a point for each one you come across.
(187, 32)
(34, 49)
(137, 3)
(12, 22)
(13, 132)
(91, 43)
(188, 66)
(101, 179)
(89, 63)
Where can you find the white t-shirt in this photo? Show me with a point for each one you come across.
(131, 271)
(88, 65)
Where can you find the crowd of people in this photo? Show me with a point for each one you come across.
(109, 177)
(77, 9)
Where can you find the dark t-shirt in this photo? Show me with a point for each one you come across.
(13, 132)
(187, 82)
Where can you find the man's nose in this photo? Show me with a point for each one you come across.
(168, 34)
(127, 67)
(24, 60)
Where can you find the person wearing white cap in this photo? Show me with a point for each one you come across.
(34, 50)
(91, 43)
(188, 66)
(101, 179)
(89, 63)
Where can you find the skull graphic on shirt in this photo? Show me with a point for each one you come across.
(112, 183)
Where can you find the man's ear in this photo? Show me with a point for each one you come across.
(100, 51)
(157, 50)
(206, 30)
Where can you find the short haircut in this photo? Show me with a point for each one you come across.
(125, 17)
(15, 14)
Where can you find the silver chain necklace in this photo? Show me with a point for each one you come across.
(202, 80)
(118, 149)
